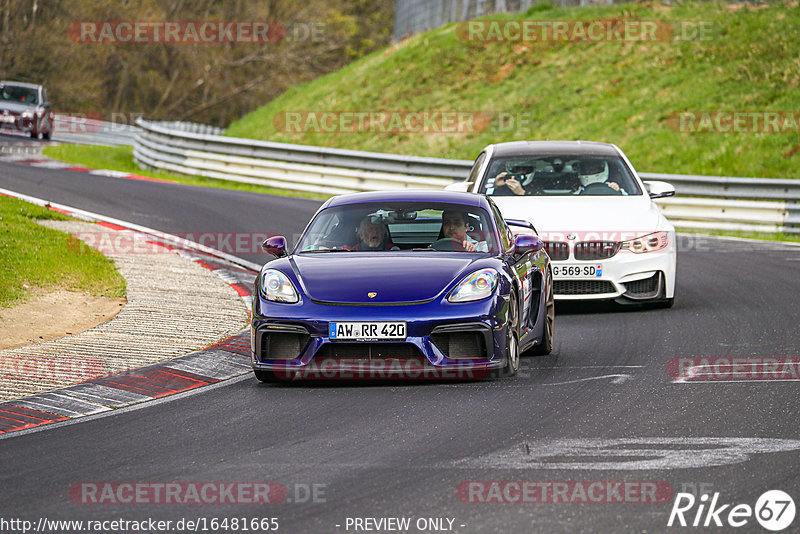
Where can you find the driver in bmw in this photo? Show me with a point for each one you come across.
(595, 171)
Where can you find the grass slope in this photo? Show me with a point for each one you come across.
(34, 256)
(619, 92)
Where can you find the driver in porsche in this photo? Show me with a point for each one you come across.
(454, 226)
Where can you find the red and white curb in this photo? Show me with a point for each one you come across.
(225, 360)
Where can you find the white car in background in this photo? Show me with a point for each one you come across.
(606, 237)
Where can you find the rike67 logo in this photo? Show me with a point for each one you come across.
(774, 510)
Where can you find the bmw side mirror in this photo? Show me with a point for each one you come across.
(524, 243)
(275, 245)
(658, 189)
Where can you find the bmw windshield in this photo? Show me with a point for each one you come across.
(561, 175)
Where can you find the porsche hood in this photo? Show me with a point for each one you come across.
(378, 277)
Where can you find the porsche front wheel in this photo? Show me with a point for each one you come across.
(546, 346)
(512, 340)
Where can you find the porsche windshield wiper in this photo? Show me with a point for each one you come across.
(326, 250)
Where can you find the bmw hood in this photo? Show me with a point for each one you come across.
(350, 277)
(563, 215)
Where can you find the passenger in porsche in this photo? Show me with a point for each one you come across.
(373, 236)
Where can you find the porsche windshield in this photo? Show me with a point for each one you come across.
(561, 175)
(400, 226)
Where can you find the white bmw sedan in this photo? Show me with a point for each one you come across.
(606, 237)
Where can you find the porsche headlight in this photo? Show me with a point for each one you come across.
(647, 243)
(277, 287)
(476, 286)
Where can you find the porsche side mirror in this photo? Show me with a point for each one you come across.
(275, 245)
(658, 189)
(525, 243)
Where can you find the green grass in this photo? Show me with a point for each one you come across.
(38, 257)
(120, 158)
(624, 93)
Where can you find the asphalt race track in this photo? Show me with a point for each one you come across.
(603, 408)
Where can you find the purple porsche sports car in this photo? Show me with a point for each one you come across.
(416, 284)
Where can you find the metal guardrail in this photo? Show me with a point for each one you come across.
(727, 203)
(703, 202)
(189, 127)
(83, 130)
(312, 155)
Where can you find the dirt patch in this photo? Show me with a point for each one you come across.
(54, 314)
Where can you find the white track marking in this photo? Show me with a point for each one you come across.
(629, 453)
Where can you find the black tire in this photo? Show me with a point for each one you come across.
(546, 346)
(267, 377)
(512, 341)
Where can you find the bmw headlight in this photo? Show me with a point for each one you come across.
(277, 287)
(647, 243)
(476, 286)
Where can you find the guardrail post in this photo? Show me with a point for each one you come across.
(792, 220)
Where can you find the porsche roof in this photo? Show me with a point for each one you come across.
(454, 197)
